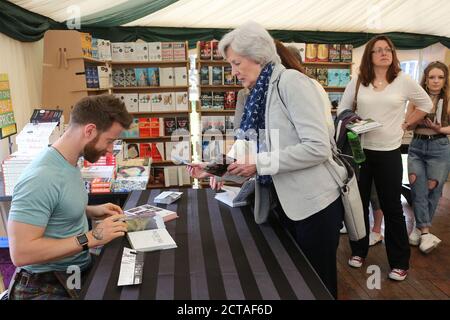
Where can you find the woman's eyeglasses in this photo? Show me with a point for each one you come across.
(380, 50)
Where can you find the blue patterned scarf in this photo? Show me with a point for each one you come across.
(253, 117)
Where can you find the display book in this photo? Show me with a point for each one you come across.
(217, 167)
(363, 126)
(132, 174)
(146, 230)
(237, 196)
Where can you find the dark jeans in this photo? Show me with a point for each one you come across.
(386, 170)
(318, 237)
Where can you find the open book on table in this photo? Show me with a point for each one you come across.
(147, 232)
(363, 126)
(237, 196)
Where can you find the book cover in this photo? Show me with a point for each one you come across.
(144, 127)
(183, 176)
(151, 240)
(131, 267)
(311, 72)
(141, 77)
(334, 76)
(141, 51)
(205, 50)
(157, 151)
(117, 51)
(118, 77)
(180, 76)
(322, 52)
(230, 100)
(237, 196)
(168, 100)
(182, 103)
(204, 76)
(166, 77)
(167, 197)
(228, 78)
(104, 77)
(154, 51)
(129, 51)
(167, 51)
(170, 125)
(145, 102)
(179, 51)
(311, 52)
(171, 176)
(132, 150)
(344, 77)
(131, 102)
(346, 52)
(215, 50)
(157, 102)
(155, 127)
(182, 123)
(363, 126)
(334, 53)
(130, 77)
(145, 150)
(218, 100)
(322, 76)
(153, 76)
(206, 100)
(217, 76)
(157, 176)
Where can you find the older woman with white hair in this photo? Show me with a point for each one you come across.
(285, 110)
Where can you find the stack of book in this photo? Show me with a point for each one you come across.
(131, 175)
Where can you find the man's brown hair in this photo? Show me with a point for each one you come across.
(366, 70)
(101, 110)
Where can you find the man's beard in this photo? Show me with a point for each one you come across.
(90, 153)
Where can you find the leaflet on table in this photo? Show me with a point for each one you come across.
(131, 267)
(363, 126)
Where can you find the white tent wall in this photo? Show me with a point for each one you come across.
(23, 64)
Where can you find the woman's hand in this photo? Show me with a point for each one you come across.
(214, 184)
(243, 170)
(196, 170)
(433, 126)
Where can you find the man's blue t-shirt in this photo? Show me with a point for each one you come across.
(51, 194)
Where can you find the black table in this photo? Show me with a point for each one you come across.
(222, 254)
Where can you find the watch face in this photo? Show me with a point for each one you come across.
(82, 239)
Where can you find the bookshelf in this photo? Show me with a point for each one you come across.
(65, 66)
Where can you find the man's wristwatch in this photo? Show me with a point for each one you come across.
(83, 241)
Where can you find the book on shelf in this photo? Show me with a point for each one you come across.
(311, 72)
(218, 102)
(130, 77)
(217, 75)
(182, 102)
(311, 52)
(167, 197)
(141, 77)
(363, 126)
(141, 51)
(179, 51)
(334, 53)
(322, 52)
(129, 51)
(204, 75)
(167, 51)
(206, 100)
(154, 51)
(215, 50)
(153, 76)
(166, 77)
(334, 77)
(230, 100)
(145, 102)
(205, 50)
(180, 74)
(346, 52)
(237, 196)
(322, 76)
(228, 78)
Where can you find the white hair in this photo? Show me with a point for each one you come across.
(252, 41)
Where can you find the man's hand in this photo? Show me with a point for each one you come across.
(244, 170)
(106, 230)
(103, 211)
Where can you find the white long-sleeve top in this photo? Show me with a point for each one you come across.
(386, 107)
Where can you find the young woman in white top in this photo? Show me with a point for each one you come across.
(428, 156)
(382, 96)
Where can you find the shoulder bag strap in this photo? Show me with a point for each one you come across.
(355, 99)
